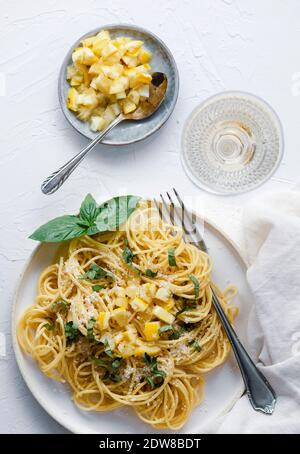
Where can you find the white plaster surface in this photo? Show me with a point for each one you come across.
(249, 45)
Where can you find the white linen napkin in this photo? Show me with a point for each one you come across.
(272, 244)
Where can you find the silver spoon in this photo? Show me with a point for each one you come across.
(147, 107)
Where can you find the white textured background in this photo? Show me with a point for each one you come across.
(250, 45)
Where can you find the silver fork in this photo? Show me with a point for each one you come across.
(259, 391)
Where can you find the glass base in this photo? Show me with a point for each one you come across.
(232, 143)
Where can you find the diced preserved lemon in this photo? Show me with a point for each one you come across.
(72, 99)
(144, 56)
(119, 291)
(143, 348)
(132, 290)
(84, 113)
(131, 62)
(133, 44)
(147, 291)
(139, 79)
(163, 315)
(119, 85)
(163, 294)
(121, 301)
(108, 50)
(126, 349)
(134, 96)
(85, 56)
(88, 42)
(130, 334)
(103, 320)
(71, 72)
(97, 123)
(115, 108)
(138, 305)
(144, 91)
(128, 106)
(151, 331)
(117, 70)
(121, 316)
(168, 305)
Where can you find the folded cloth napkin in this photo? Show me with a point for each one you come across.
(272, 244)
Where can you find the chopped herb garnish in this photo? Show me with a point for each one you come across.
(96, 272)
(115, 364)
(165, 328)
(107, 348)
(177, 333)
(49, 326)
(156, 376)
(150, 273)
(171, 257)
(60, 305)
(71, 332)
(90, 329)
(183, 309)
(100, 362)
(111, 367)
(196, 285)
(128, 256)
(97, 287)
(195, 345)
(115, 377)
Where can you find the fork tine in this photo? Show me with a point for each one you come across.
(191, 219)
(171, 219)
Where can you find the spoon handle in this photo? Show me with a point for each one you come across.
(57, 179)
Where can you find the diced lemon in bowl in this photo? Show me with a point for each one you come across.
(111, 73)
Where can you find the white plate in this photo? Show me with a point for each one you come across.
(223, 386)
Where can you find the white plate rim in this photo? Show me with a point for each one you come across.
(19, 355)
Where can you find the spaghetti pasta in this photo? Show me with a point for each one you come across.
(124, 325)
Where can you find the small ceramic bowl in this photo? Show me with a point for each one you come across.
(134, 131)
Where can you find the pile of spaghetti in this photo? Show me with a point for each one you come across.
(126, 319)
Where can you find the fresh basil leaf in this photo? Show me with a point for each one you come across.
(196, 285)
(71, 332)
(89, 211)
(171, 257)
(115, 212)
(59, 229)
(91, 220)
(97, 287)
(90, 329)
(96, 272)
(150, 273)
